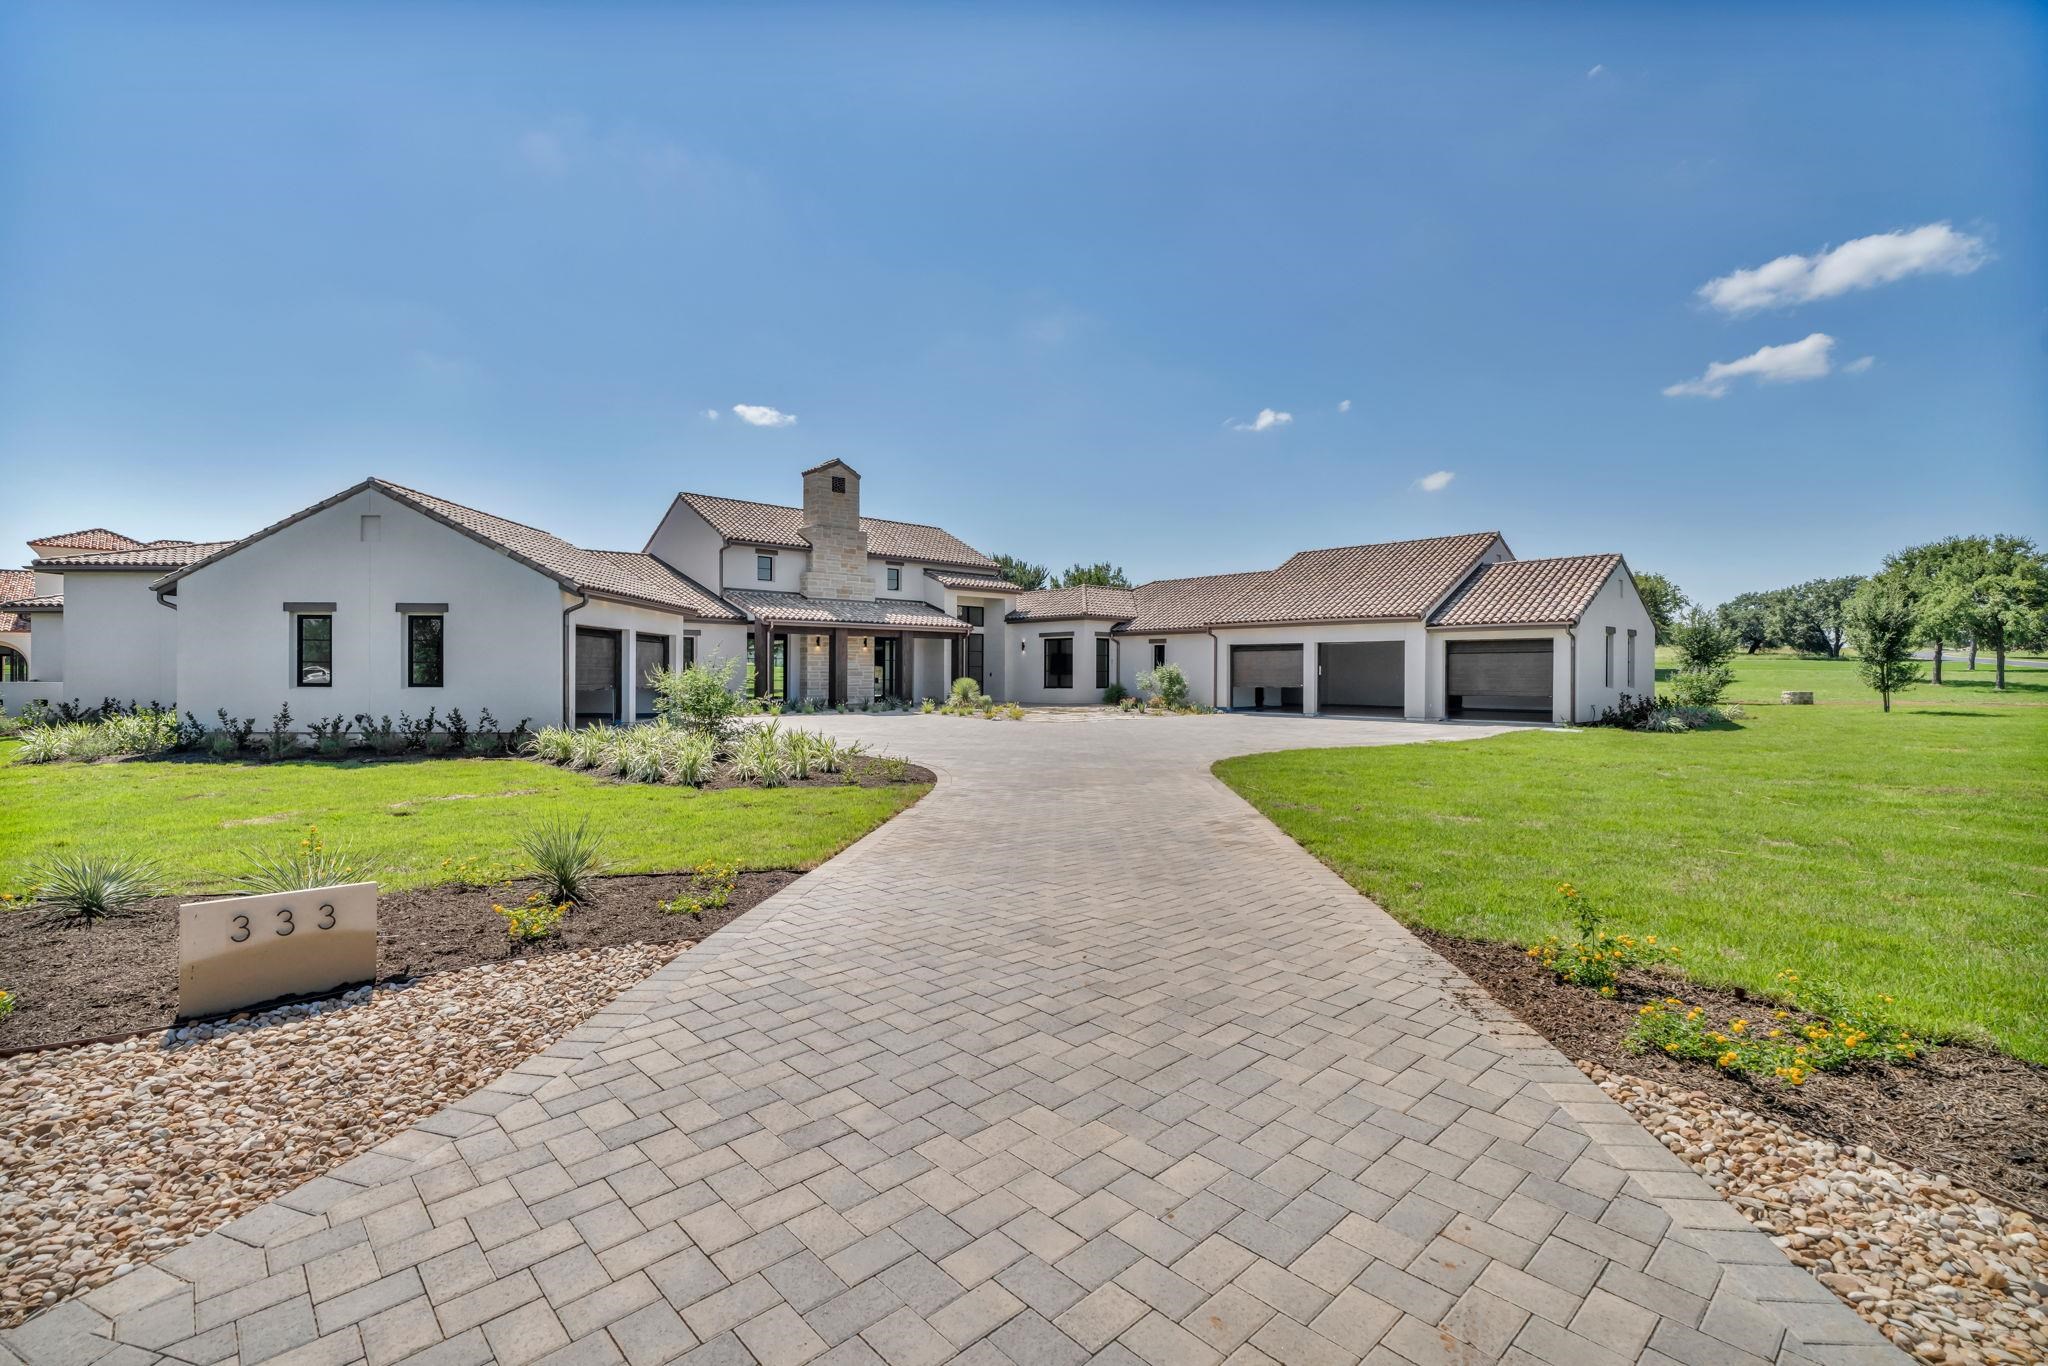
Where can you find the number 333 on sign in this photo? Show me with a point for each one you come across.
(248, 950)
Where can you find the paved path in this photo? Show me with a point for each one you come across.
(1079, 1058)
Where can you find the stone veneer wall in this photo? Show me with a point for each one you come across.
(839, 548)
(814, 673)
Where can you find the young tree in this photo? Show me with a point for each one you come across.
(1023, 573)
(1923, 572)
(1883, 623)
(1662, 600)
(1701, 640)
(1101, 574)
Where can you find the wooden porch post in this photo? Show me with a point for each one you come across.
(764, 666)
(835, 686)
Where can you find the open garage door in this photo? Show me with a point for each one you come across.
(1361, 675)
(1267, 677)
(1506, 680)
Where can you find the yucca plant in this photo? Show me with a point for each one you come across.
(759, 757)
(310, 864)
(552, 744)
(90, 887)
(587, 747)
(40, 745)
(566, 858)
(691, 758)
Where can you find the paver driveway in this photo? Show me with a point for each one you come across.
(1077, 1058)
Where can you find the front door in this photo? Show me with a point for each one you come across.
(888, 666)
(597, 675)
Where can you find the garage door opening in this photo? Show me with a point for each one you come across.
(1265, 677)
(1361, 677)
(1499, 680)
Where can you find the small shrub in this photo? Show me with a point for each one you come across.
(1113, 694)
(1167, 683)
(552, 744)
(239, 728)
(482, 743)
(310, 864)
(1838, 1035)
(928, 706)
(1699, 687)
(759, 756)
(705, 698)
(89, 887)
(279, 742)
(566, 858)
(456, 728)
(892, 768)
(533, 919)
(1702, 642)
(472, 870)
(1596, 958)
(7, 1000)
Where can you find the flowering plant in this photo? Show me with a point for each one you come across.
(533, 919)
(1836, 1034)
(1596, 958)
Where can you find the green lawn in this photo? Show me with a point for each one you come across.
(1903, 853)
(407, 818)
(1762, 677)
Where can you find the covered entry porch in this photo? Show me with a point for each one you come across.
(837, 653)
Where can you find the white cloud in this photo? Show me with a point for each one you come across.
(1344, 405)
(1266, 421)
(1808, 358)
(711, 413)
(1859, 365)
(1436, 482)
(1597, 69)
(754, 415)
(1865, 263)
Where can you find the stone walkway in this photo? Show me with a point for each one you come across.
(1079, 1059)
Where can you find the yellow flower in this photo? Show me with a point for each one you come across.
(1737, 1026)
(1726, 1059)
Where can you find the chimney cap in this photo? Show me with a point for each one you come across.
(816, 469)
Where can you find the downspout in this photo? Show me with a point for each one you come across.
(1215, 674)
(569, 658)
(1572, 633)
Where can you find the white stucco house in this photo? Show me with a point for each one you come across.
(384, 600)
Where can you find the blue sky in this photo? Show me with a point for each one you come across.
(1031, 269)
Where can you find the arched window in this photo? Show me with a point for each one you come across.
(13, 665)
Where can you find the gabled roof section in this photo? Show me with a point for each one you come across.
(973, 583)
(771, 524)
(1166, 605)
(155, 555)
(629, 576)
(1390, 581)
(15, 583)
(92, 538)
(1086, 600)
(45, 602)
(835, 460)
(1553, 592)
(794, 609)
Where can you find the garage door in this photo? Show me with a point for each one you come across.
(1499, 677)
(1360, 673)
(1265, 666)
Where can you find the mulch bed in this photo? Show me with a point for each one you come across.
(120, 975)
(1978, 1116)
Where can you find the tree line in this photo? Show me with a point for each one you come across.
(1959, 593)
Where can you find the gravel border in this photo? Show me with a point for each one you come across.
(113, 1154)
(1943, 1272)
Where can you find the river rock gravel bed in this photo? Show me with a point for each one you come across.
(1944, 1273)
(112, 1154)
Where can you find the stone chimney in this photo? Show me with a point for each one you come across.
(839, 548)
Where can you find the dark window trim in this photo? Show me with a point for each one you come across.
(1102, 661)
(764, 559)
(423, 609)
(299, 620)
(1158, 654)
(1608, 671)
(1063, 679)
(440, 650)
(894, 578)
(317, 609)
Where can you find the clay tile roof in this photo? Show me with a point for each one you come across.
(46, 602)
(972, 583)
(771, 524)
(796, 609)
(1393, 581)
(15, 583)
(1083, 600)
(624, 574)
(92, 538)
(1527, 592)
(1189, 604)
(155, 555)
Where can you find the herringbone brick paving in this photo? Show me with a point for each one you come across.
(1077, 1060)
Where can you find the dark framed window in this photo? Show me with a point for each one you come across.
(690, 650)
(1158, 654)
(764, 568)
(895, 578)
(1631, 659)
(1059, 662)
(314, 650)
(973, 616)
(1102, 661)
(13, 665)
(1607, 661)
(423, 640)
